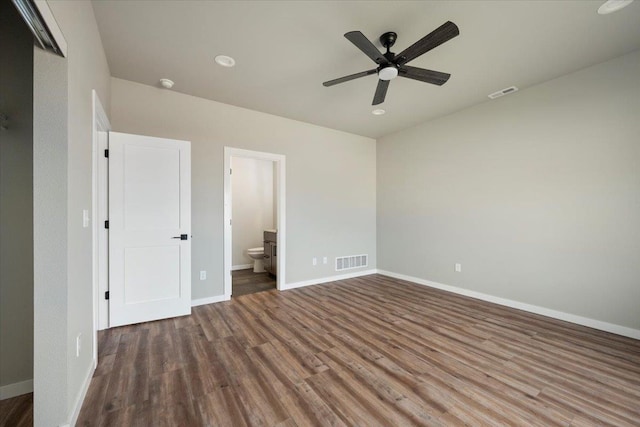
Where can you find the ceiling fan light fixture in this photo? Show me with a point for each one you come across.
(378, 112)
(611, 6)
(388, 73)
(225, 61)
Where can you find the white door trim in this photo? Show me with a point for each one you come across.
(279, 160)
(100, 123)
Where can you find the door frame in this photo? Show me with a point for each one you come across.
(100, 123)
(280, 177)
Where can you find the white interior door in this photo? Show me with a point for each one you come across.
(149, 228)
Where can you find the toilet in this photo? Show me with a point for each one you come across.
(257, 254)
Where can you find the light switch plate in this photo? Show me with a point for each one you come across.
(85, 218)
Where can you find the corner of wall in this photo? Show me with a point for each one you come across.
(50, 151)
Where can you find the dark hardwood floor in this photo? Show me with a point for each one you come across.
(246, 282)
(371, 351)
(17, 411)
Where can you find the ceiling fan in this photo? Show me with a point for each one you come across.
(391, 65)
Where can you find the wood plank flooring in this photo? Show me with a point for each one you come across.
(371, 351)
(246, 282)
(17, 411)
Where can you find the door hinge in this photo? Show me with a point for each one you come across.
(106, 295)
(230, 222)
(106, 153)
(106, 224)
(230, 171)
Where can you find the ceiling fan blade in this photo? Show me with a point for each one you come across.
(350, 77)
(381, 92)
(428, 76)
(443, 33)
(363, 43)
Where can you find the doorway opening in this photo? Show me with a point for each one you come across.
(254, 205)
(16, 218)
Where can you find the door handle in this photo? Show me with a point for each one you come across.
(182, 237)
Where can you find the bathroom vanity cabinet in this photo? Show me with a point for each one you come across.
(271, 252)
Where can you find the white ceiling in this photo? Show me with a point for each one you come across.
(284, 51)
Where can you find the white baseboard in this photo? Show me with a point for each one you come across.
(241, 267)
(16, 389)
(287, 286)
(208, 300)
(560, 315)
(295, 285)
(82, 394)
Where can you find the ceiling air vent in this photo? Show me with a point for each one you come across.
(352, 261)
(503, 92)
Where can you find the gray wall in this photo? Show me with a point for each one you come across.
(252, 205)
(63, 300)
(330, 195)
(87, 70)
(16, 199)
(50, 149)
(536, 194)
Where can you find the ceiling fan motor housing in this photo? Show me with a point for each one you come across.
(388, 39)
(388, 70)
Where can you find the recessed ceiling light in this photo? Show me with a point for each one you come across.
(166, 83)
(225, 61)
(378, 112)
(611, 6)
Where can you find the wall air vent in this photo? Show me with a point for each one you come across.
(503, 92)
(353, 261)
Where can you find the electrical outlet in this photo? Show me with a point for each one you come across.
(78, 341)
(203, 275)
(314, 261)
(324, 260)
(458, 267)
